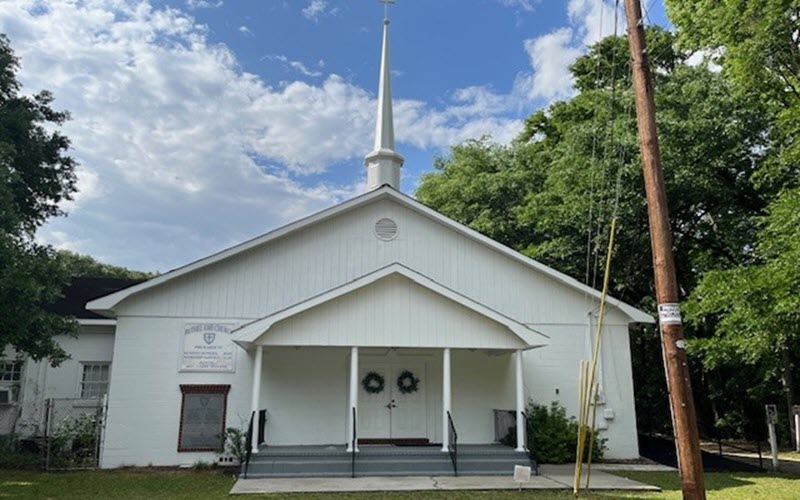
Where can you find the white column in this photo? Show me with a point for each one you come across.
(521, 430)
(353, 399)
(446, 399)
(255, 404)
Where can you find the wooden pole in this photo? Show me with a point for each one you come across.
(666, 283)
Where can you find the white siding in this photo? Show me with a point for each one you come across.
(395, 312)
(42, 381)
(309, 262)
(145, 398)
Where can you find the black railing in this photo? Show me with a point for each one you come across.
(262, 426)
(758, 450)
(529, 438)
(452, 442)
(249, 444)
(353, 444)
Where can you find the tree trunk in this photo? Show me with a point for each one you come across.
(787, 381)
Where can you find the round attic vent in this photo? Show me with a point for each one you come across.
(386, 229)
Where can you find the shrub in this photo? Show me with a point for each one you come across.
(203, 465)
(552, 436)
(74, 443)
(19, 454)
(236, 443)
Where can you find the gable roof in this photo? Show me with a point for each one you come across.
(105, 305)
(249, 332)
(80, 290)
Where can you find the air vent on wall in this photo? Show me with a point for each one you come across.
(386, 229)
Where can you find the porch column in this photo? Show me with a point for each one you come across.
(351, 416)
(446, 399)
(255, 404)
(521, 430)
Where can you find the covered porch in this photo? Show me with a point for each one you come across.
(389, 359)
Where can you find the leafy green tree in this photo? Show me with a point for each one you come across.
(581, 156)
(86, 266)
(757, 45)
(35, 176)
(757, 42)
(755, 308)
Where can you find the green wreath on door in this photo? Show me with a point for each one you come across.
(407, 383)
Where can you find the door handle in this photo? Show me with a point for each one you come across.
(391, 405)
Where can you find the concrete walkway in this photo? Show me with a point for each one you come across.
(552, 477)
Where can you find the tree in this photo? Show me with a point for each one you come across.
(757, 45)
(86, 266)
(35, 176)
(536, 194)
(757, 42)
(755, 308)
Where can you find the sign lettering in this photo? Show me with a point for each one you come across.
(207, 347)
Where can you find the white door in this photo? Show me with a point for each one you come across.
(409, 409)
(392, 413)
(373, 408)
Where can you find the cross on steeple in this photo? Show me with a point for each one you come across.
(386, 8)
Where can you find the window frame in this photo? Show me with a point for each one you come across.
(81, 372)
(12, 386)
(14, 363)
(192, 389)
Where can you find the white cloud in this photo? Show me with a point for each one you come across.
(526, 5)
(203, 4)
(182, 152)
(244, 30)
(553, 53)
(550, 57)
(296, 65)
(316, 9)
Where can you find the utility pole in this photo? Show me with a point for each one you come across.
(673, 344)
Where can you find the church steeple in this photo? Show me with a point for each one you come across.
(383, 162)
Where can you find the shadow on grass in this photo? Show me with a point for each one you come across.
(736, 485)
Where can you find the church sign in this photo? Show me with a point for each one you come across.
(207, 347)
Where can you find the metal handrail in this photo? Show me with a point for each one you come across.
(249, 444)
(721, 443)
(529, 438)
(452, 445)
(263, 416)
(354, 439)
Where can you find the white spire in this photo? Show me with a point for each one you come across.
(383, 163)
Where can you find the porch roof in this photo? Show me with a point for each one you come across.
(480, 326)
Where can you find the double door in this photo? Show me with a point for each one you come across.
(393, 413)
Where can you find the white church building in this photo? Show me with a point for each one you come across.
(378, 321)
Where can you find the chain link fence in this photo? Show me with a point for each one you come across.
(54, 434)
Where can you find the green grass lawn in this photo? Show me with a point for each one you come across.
(196, 485)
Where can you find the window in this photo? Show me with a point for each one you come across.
(10, 377)
(94, 380)
(10, 371)
(202, 423)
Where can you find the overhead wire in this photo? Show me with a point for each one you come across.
(588, 386)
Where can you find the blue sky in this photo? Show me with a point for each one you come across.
(200, 123)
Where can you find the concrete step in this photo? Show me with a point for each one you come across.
(382, 461)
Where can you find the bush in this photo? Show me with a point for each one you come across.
(552, 436)
(236, 443)
(19, 454)
(74, 443)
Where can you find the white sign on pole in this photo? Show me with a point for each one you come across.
(669, 314)
(796, 413)
(772, 414)
(522, 474)
(772, 419)
(207, 347)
